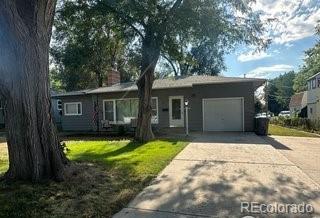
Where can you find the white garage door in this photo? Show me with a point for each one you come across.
(223, 114)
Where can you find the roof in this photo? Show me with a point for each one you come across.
(73, 93)
(181, 82)
(314, 76)
(296, 100)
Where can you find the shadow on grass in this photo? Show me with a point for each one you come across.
(90, 190)
(101, 184)
(99, 187)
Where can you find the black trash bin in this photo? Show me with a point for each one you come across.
(261, 126)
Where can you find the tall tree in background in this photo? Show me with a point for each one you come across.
(34, 149)
(310, 67)
(164, 27)
(279, 92)
(204, 58)
(87, 45)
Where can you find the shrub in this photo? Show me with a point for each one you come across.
(297, 122)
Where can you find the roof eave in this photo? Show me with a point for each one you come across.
(312, 77)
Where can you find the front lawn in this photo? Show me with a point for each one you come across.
(283, 131)
(3, 156)
(105, 176)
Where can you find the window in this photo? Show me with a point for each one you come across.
(59, 105)
(309, 85)
(318, 83)
(311, 110)
(154, 105)
(313, 83)
(73, 109)
(1, 105)
(108, 108)
(124, 110)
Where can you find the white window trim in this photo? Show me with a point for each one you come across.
(60, 109)
(70, 103)
(157, 107)
(114, 110)
(171, 124)
(123, 99)
(314, 83)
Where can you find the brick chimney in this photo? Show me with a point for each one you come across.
(113, 77)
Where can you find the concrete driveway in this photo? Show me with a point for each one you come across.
(303, 152)
(216, 172)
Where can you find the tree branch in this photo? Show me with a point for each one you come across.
(175, 6)
(170, 14)
(125, 17)
(171, 63)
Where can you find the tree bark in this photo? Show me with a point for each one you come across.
(150, 57)
(35, 152)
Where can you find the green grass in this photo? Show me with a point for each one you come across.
(283, 131)
(131, 157)
(104, 177)
(3, 157)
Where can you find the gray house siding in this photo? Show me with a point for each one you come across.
(82, 122)
(194, 95)
(244, 90)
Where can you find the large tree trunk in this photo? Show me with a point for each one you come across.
(35, 153)
(150, 57)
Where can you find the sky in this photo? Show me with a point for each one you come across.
(292, 33)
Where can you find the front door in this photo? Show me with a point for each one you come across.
(176, 111)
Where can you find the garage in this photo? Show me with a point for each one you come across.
(223, 114)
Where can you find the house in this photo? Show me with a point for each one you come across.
(215, 104)
(298, 105)
(313, 97)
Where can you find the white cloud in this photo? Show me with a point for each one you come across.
(276, 51)
(288, 45)
(268, 72)
(252, 56)
(295, 19)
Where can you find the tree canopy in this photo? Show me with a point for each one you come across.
(90, 36)
(87, 45)
(310, 67)
(279, 92)
(195, 34)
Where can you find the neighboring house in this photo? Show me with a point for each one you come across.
(215, 104)
(298, 105)
(313, 94)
